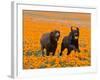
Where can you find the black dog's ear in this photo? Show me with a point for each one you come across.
(77, 29)
(51, 34)
(71, 28)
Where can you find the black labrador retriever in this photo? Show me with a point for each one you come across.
(71, 42)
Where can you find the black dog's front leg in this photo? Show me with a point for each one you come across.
(47, 53)
(69, 51)
(78, 50)
(77, 47)
(53, 53)
(70, 48)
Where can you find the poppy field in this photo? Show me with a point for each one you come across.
(36, 23)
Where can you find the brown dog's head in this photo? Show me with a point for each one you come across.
(54, 35)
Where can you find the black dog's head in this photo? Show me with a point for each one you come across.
(75, 32)
(54, 35)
